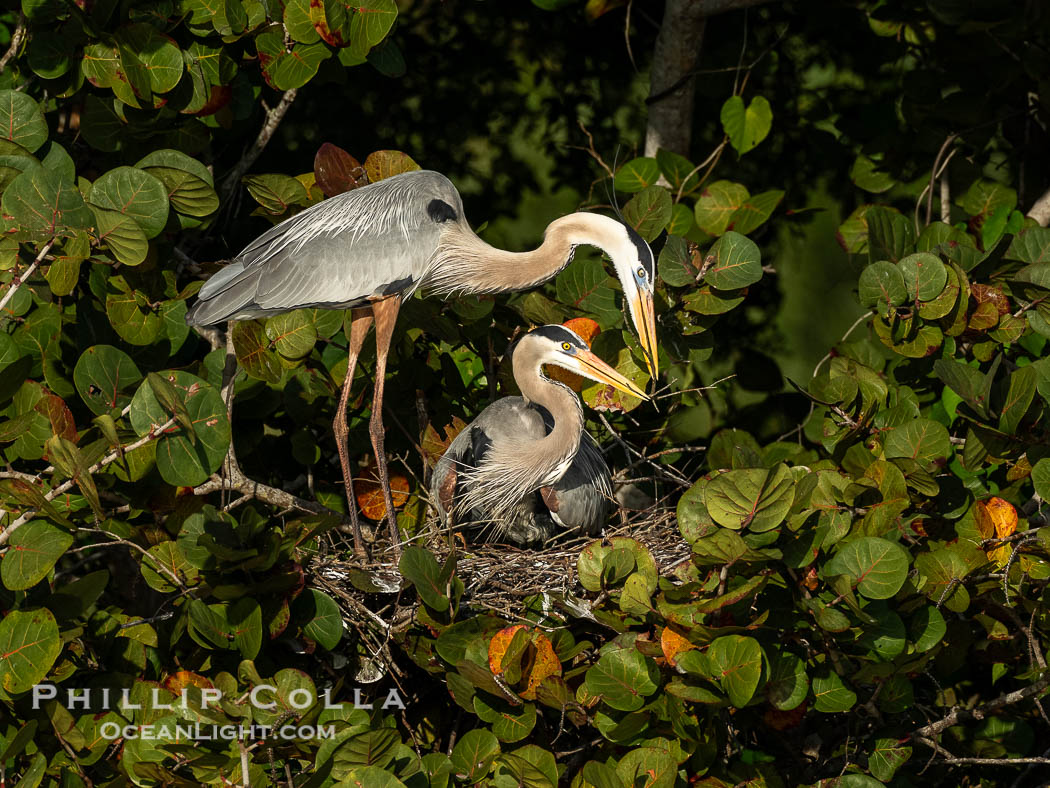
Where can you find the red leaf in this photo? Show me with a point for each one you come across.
(337, 171)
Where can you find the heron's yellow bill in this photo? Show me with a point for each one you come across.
(643, 307)
(598, 370)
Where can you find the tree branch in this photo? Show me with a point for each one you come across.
(273, 120)
(16, 42)
(18, 281)
(155, 432)
(957, 715)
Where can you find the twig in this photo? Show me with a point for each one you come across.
(155, 432)
(273, 120)
(935, 173)
(16, 42)
(957, 715)
(18, 281)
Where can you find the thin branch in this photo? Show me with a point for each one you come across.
(16, 42)
(273, 120)
(18, 281)
(957, 715)
(155, 432)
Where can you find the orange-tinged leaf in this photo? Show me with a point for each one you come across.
(498, 647)
(369, 492)
(58, 413)
(545, 663)
(782, 720)
(388, 163)
(674, 644)
(337, 171)
(181, 679)
(434, 445)
(995, 518)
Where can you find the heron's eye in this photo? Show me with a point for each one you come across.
(641, 273)
(566, 346)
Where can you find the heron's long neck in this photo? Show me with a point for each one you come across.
(463, 263)
(556, 450)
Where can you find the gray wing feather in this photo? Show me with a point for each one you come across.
(371, 241)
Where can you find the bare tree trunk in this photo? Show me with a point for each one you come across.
(672, 78)
(1040, 211)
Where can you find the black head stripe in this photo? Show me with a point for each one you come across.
(441, 211)
(645, 254)
(559, 334)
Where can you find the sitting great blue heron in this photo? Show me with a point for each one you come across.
(525, 467)
(371, 248)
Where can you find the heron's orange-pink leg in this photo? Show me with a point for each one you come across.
(385, 313)
(360, 323)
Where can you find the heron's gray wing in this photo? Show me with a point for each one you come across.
(371, 241)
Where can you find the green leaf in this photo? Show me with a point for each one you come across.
(135, 194)
(650, 767)
(922, 440)
(649, 211)
(623, 678)
(370, 23)
(753, 213)
(891, 236)
(159, 55)
(1041, 478)
(254, 354)
(866, 175)
(1019, 396)
(276, 193)
(675, 264)
(285, 70)
(941, 570)
(103, 377)
(881, 285)
(717, 204)
(927, 628)
(831, 694)
(877, 567)
(474, 754)
(133, 317)
(40, 205)
(419, 566)
(293, 334)
(753, 498)
(29, 646)
(736, 663)
(323, 621)
(185, 459)
(788, 683)
(924, 275)
(966, 381)
(678, 171)
(1031, 245)
(984, 197)
(637, 174)
(21, 120)
(738, 262)
(746, 127)
(122, 235)
(164, 561)
(887, 757)
(31, 553)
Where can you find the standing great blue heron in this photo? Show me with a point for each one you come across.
(371, 248)
(525, 465)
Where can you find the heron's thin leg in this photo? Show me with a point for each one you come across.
(360, 323)
(385, 313)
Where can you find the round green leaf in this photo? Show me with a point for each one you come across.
(885, 637)
(474, 754)
(738, 263)
(736, 663)
(831, 695)
(637, 174)
(788, 683)
(881, 285)
(648, 766)
(103, 376)
(922, 440)
(40, 205)
(164, 560)
(865, 174)
(135, 194)
(717, 203)
(293, 334)
(159, 55)
(927, 628)
(31, 552)
(29, 646)
(370, 23)
(372, 776)
(649, 211)
(21, 120)
(589, 565)
(184, 459)
(133, 317)
(320, 617)
(877, 566)
(754, 498)
(254, 354)
(1041, 478)
(623, 678)
(746, 126)
(924, 276)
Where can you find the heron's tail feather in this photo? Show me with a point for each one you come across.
(223, 296)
